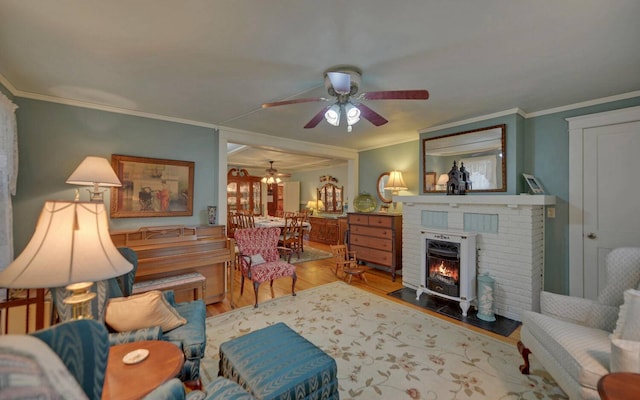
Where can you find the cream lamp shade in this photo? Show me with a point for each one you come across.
(395, 183)
(312, 204)
(71, 244)
(96, 172)
(442, 181)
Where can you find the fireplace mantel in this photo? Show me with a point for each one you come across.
(454, 201)
(510, 241)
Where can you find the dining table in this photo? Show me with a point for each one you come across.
(275, 222)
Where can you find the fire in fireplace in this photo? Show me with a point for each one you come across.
(449, 266)
(443, 259)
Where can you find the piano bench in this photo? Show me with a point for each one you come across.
(191, 281)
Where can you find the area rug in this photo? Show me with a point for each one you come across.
(310, 254)
(385, 350)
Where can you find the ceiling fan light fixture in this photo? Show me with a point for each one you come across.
(353, 114)
(333, 115)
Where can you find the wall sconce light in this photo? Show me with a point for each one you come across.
(96, 172)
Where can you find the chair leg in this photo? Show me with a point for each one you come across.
(294, 278)
(241, 285)
(256, 285)
(524, 352)
(364, 278)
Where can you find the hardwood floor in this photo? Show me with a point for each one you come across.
(320, 272)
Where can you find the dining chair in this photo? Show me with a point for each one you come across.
(259, 256)
(347, 263)
(292, 234)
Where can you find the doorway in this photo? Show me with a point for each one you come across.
(603, 193)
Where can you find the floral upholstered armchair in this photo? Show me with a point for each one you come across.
(259, 257)
(189, 336)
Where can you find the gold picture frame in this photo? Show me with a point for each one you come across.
(152, 187)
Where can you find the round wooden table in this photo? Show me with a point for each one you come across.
(619, 386)
(134, 381)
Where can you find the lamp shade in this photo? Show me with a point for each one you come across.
(92, 171)
(312, 204)
(444, 178)
(71, 244)
(395, 182)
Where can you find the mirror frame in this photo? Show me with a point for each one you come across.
(380, 188)
(426, 169)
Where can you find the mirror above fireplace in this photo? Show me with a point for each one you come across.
(482, 151)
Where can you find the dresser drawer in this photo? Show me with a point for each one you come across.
(377, 220)
(369, 231)
(358, 219)
(372, 255)
(373, 242)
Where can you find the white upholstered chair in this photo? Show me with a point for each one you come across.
(572, 336)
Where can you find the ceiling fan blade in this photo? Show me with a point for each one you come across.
(340, 81)
(396, 95)
(371, 115)
(316, 118)
(296, 101)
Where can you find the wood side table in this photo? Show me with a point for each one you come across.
(134, 381)
(619, 386)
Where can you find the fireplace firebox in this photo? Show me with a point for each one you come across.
(443, 261)
(449, 266)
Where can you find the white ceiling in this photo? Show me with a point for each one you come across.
(216, 62)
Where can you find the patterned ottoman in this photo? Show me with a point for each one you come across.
(277, 363)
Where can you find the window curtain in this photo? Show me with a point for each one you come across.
(482, 172)
(8, 176)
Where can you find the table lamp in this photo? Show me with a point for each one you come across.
(311, 205)
(395, 183)
(71, 247)
(96, 172)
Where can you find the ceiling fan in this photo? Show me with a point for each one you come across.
(342, 84)
(273, 176)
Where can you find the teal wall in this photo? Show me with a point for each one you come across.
(310, 181)
(402, 157)
(54, 138)
(538, 145)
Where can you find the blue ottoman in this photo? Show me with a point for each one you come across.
(277, 363)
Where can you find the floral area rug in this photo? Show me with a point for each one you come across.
(385, 350)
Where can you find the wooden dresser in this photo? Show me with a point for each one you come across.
(377, 239)
(172, 250)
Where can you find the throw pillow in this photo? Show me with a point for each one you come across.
(30, 370)
(625, 356)
(628, 324)
(257, 259)
(143, 310)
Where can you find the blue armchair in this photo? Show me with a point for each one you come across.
(190, 337)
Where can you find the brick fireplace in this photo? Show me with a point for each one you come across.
(509, 232)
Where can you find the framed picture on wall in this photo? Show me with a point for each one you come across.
(152, 187)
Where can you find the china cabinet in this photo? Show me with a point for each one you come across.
(244, 192)
(331, 197)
